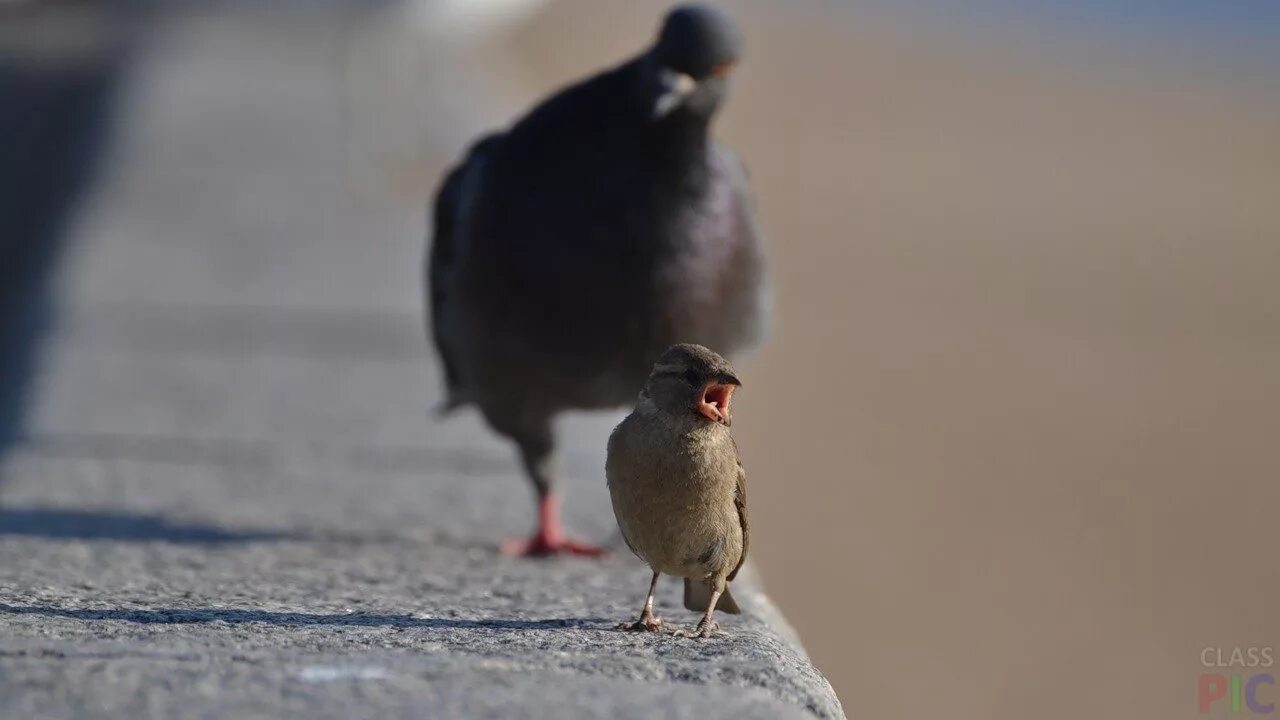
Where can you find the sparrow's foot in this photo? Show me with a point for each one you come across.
(702, 632)
(646, 623)
(544, 545)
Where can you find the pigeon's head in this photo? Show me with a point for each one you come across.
(690, 380)
(691, 61)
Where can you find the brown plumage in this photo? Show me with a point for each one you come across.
(678, 489)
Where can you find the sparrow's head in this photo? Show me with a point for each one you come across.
(691, 60)
(690, 380)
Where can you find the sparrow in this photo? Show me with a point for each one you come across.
(679, 491)
(571, 249)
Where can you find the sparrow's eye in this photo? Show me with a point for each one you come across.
(691, 376)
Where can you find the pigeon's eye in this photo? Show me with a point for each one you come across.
(691, 376)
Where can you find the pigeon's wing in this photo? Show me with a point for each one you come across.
(447, 208)
(738, 176)
(740, 502)
(746, 290)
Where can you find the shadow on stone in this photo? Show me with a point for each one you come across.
(179, 616)
(106, 525)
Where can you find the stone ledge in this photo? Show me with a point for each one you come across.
(224, 518)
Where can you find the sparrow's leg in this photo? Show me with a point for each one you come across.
(706, 626)
(648, 621)
(536, 451)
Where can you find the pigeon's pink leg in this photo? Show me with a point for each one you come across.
(549, 539)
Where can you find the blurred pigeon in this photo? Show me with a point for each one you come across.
(678, 490)
(574, 248)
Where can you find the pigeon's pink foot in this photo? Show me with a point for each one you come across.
(539, 546)
(550, 538)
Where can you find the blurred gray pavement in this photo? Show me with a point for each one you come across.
(233, 500)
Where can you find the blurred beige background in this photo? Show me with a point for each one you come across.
(1013, 446)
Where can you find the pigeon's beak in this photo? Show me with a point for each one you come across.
(676, 86)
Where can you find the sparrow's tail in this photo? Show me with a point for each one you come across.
(698, 594)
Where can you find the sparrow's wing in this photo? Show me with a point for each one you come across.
(627, 540)
(740, 502)
(447, 208)
(614, 451)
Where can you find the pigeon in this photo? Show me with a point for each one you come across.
(678, 489)
(570, 250)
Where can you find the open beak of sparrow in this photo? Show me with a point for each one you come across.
(713, 402)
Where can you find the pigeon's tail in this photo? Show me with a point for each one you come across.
(449, 404)
(698, 594)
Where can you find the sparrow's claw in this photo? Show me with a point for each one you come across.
(542, 545)
(648, 623)
(702, 632)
